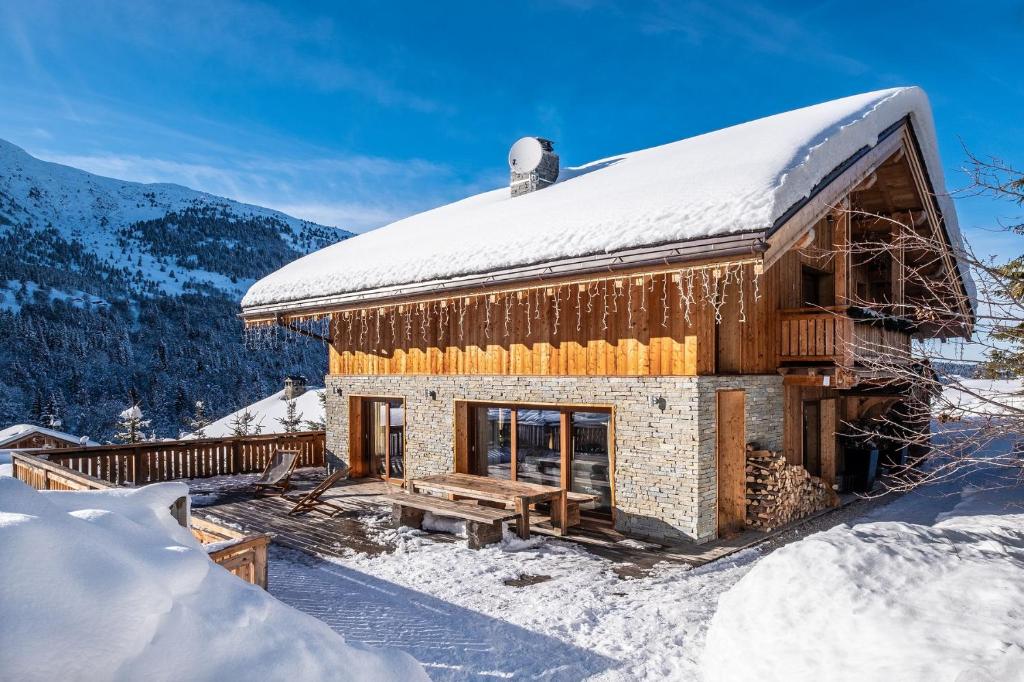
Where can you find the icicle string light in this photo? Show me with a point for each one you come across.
(713, 281)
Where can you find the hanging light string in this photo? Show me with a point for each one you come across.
(711, 280)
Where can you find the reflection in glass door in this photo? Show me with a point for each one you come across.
(538, 445)
(591, 466)
(384, 438)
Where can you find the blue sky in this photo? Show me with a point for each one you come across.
(354, 113)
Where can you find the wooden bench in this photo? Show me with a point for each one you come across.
(483, 524)
(572, 503)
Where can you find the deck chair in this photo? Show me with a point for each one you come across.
(311, 501)
(276, 478)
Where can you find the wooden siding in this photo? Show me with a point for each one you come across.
(628, 326)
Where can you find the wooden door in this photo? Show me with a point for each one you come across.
(732, 462)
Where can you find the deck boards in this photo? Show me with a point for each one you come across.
(348, 532)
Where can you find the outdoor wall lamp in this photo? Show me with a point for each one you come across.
(659, 402)
(431, 394)
(337, 391)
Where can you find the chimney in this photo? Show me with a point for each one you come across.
(533, 165)
(294, 386)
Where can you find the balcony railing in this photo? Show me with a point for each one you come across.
(816, 335)
(832, 335)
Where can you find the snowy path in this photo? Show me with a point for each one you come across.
(450, 608)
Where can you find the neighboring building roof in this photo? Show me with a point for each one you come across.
(739, 179)
(19, 431)
(267, 412)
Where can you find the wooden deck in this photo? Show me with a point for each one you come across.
(363, 528)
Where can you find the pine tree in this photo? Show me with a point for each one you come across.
(244, 424)
(198, 422)
(130, 425)
(291, 421)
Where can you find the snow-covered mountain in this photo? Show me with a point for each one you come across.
(113, 290)
(122, 222)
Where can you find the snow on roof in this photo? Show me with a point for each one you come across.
(105, 585)
(738, 179)
(268, 411)
(19, 431)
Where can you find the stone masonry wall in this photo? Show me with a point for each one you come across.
(665, 481)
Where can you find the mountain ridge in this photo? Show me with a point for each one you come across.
(113, 291)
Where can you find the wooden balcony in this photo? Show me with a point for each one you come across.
(816, 335)
(830, 335)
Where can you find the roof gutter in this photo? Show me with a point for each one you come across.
(705, 249)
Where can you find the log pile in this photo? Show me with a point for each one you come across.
(778, 492)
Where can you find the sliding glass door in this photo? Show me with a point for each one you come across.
(557, 446)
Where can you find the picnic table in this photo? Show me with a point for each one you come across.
(517, 493)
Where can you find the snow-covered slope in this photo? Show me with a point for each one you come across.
(96, 211)
(733, 180)
(113, 292)
(268, 412)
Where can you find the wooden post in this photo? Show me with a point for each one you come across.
(523, 522)
(827, 440)
(236, 457)
(841, 240)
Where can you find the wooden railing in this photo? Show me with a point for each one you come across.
(242, 555)
(151, 462)
(44, 475)
(816, 334)
(831, 334)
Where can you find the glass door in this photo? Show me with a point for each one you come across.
(384, 434)
(590, 467)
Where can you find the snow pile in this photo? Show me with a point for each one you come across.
(887, 600)
(106, 586)
(268, 412)
(737, 179)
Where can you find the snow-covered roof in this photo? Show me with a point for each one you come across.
(19, 431)
(268, 411)
(739, 179)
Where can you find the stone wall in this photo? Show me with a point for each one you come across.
(665, 482)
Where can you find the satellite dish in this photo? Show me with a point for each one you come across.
(525, 155)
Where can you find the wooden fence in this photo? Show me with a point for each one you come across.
(151, 462)
(242, 555)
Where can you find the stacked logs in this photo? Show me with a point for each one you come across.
(778, 492)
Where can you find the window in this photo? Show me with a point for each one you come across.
(493, 441)
(526, 443)
(539, 441)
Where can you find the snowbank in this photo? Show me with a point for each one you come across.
(737, 179)
(106, 586)
(887, 601)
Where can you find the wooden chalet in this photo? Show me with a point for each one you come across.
(639, 328)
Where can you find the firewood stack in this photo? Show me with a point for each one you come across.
(779, 492)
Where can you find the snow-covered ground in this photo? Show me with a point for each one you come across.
(450, 607)
(105, 585)
(972, 398)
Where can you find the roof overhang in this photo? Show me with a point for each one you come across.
(663, 256)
